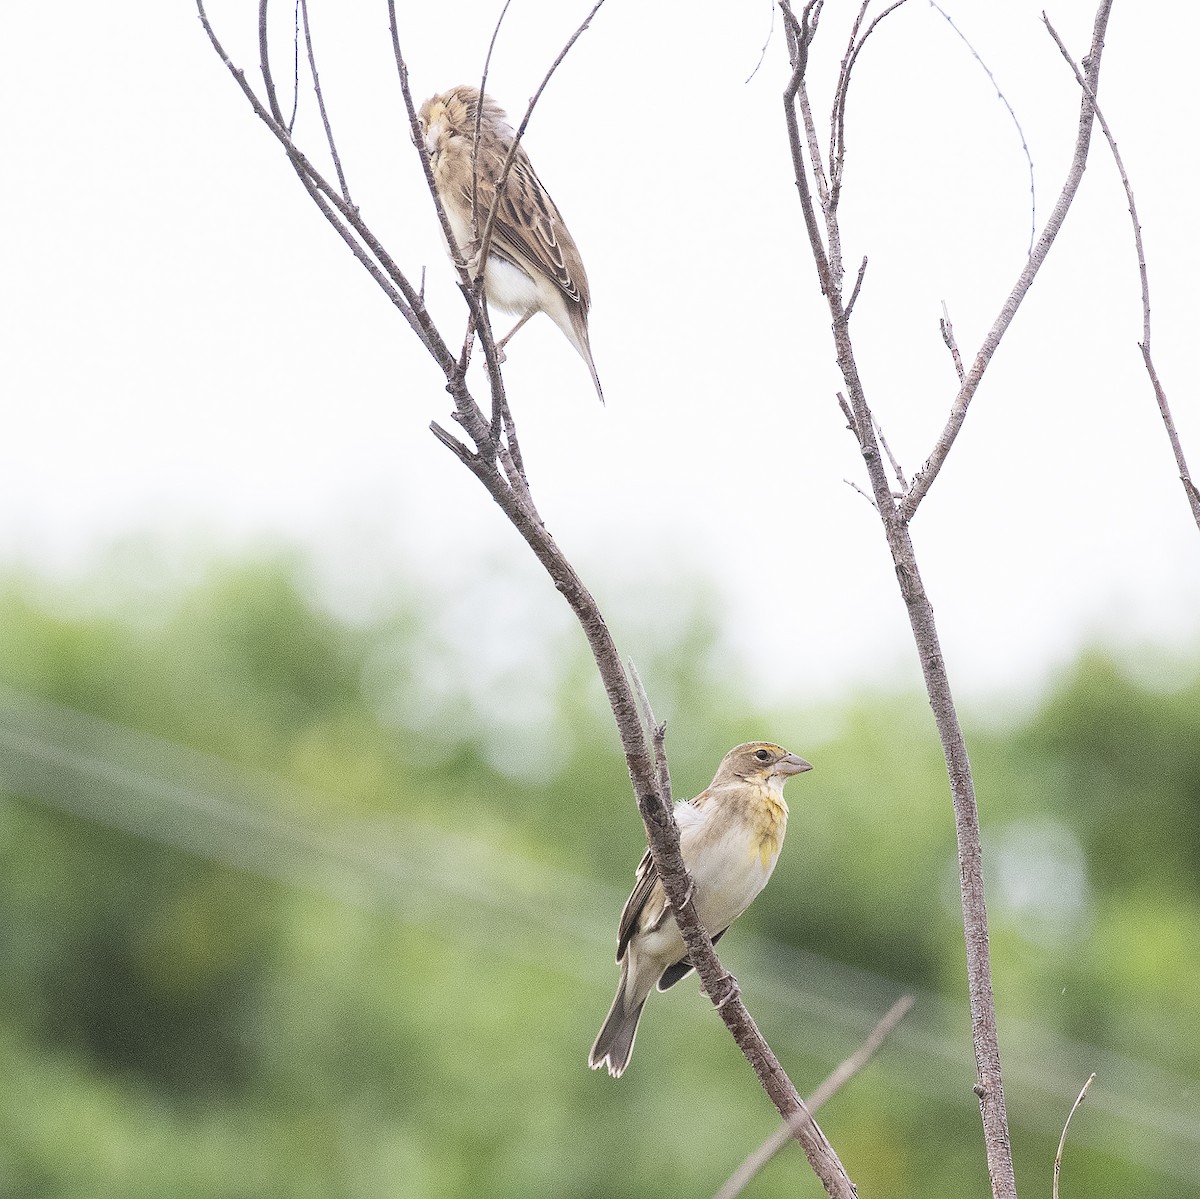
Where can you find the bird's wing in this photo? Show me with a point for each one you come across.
(647, 879)
(529, 229)
(647, 894)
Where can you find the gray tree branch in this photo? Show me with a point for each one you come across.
(895, 516)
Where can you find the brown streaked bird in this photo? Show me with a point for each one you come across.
(533, 264)
(730, 836)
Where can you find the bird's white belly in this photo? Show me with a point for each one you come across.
(506, 286)
(509, 288)
(728, 875)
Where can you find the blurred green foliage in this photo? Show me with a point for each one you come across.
(295, 904)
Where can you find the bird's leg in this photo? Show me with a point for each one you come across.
(509, 335)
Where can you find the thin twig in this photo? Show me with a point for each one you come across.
(862, 270)
(1003, 100)
(762, 54)
(312, 66)
(866, 495)
(958, 412)
(848, 413)
(837, 153)
(1063, 1139)
(897, 470)
(745, 1173)
(1189, 488)
(656, 731)
(452, 443)
(839, 89)
(291, 125)
(346, 220)
(487, 65)
(951, 344)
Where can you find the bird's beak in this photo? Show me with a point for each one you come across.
(433, 136)
(792, 765)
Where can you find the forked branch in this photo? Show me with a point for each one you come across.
(821, 224)
(928, 473)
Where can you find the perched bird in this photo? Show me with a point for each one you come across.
(730, 835)
(533, 264)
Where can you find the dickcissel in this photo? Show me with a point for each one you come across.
(730, 835)
(533, 264)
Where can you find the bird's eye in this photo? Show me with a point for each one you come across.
(762, 755)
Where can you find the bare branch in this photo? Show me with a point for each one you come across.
(897, 470)
(414, 127)
(264, 62)
(848, 413)
(958, 412)
(344, 218)
(656, 731)
(948, 337)
(1189, 488)
(837, 147)
(312, 66)
(895, 518)
(866, 495)
(456, 447)
(801, 32)
(1003, 100)
(291, 125)
(862, 271)
(1063, 1139)
(745, 1173)
(839, 89)
(487, 66)
(762, 54)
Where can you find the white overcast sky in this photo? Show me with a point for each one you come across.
(189, 351)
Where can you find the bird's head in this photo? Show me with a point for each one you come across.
(447, 121)
(759, 762)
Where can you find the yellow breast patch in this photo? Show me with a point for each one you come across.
(768, 826)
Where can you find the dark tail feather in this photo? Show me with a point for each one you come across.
(583, 343)
(614, 1044)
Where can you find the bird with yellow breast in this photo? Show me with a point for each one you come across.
(730, 836)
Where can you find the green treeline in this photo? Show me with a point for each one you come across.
(300, 904)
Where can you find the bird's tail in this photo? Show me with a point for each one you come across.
(614, 1043)
(580, 340)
